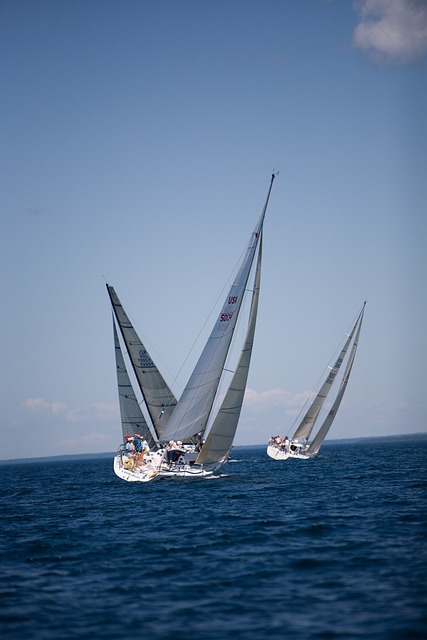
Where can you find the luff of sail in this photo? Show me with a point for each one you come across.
(192, 412)
(309, 420)
(159, 399)
(323, 431)
(221, 435)
(132, 418)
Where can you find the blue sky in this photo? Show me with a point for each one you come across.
(137, 143)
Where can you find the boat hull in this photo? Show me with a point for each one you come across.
(284, 454)
(155, 467)
(125, 469)
(186, 471)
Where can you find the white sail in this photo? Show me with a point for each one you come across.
(323, 431)
(280, 449)
(221, 435)
(182, 425)
(192, 412)
(132, 418)
(159, 399)
(309, 420)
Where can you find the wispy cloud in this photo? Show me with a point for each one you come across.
(94, 412)
(97, 411)
(291, 402)
(40, 405)
(87, 442)
(392, 31)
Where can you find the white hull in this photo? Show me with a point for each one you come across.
(156, 467)
(186, 471)
(283, 454)
(125, 468)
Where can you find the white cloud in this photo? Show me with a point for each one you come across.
(87, 442)
(291, 402)
(41, 405)
(392, 31)
(98, 411)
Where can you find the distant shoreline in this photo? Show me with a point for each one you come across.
(411, 437)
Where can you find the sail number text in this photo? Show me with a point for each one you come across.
(224, 317)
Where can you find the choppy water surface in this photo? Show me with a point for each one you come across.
(328, 548)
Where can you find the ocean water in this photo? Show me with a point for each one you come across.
(334, 547)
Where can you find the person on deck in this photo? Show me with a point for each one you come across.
(137, 443)
(129, 447)
(174, 451)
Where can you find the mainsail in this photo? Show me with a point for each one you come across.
(132, 418)
(191, 414)
(159, 399)
(221, 435)
(323, 431)
(306, 425)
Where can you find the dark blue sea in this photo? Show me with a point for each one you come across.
(333, 547)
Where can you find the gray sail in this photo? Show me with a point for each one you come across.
(132, 418)
(159, 399)
(323, 431)
(306, 425)
(192, 412)
(221, 435)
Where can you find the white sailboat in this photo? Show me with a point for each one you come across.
(300, 446)
(186, 438)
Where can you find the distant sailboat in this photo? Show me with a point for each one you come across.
(300, 446)
(183, 438)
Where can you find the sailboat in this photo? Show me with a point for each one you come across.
(188, 437)
(300, 446)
